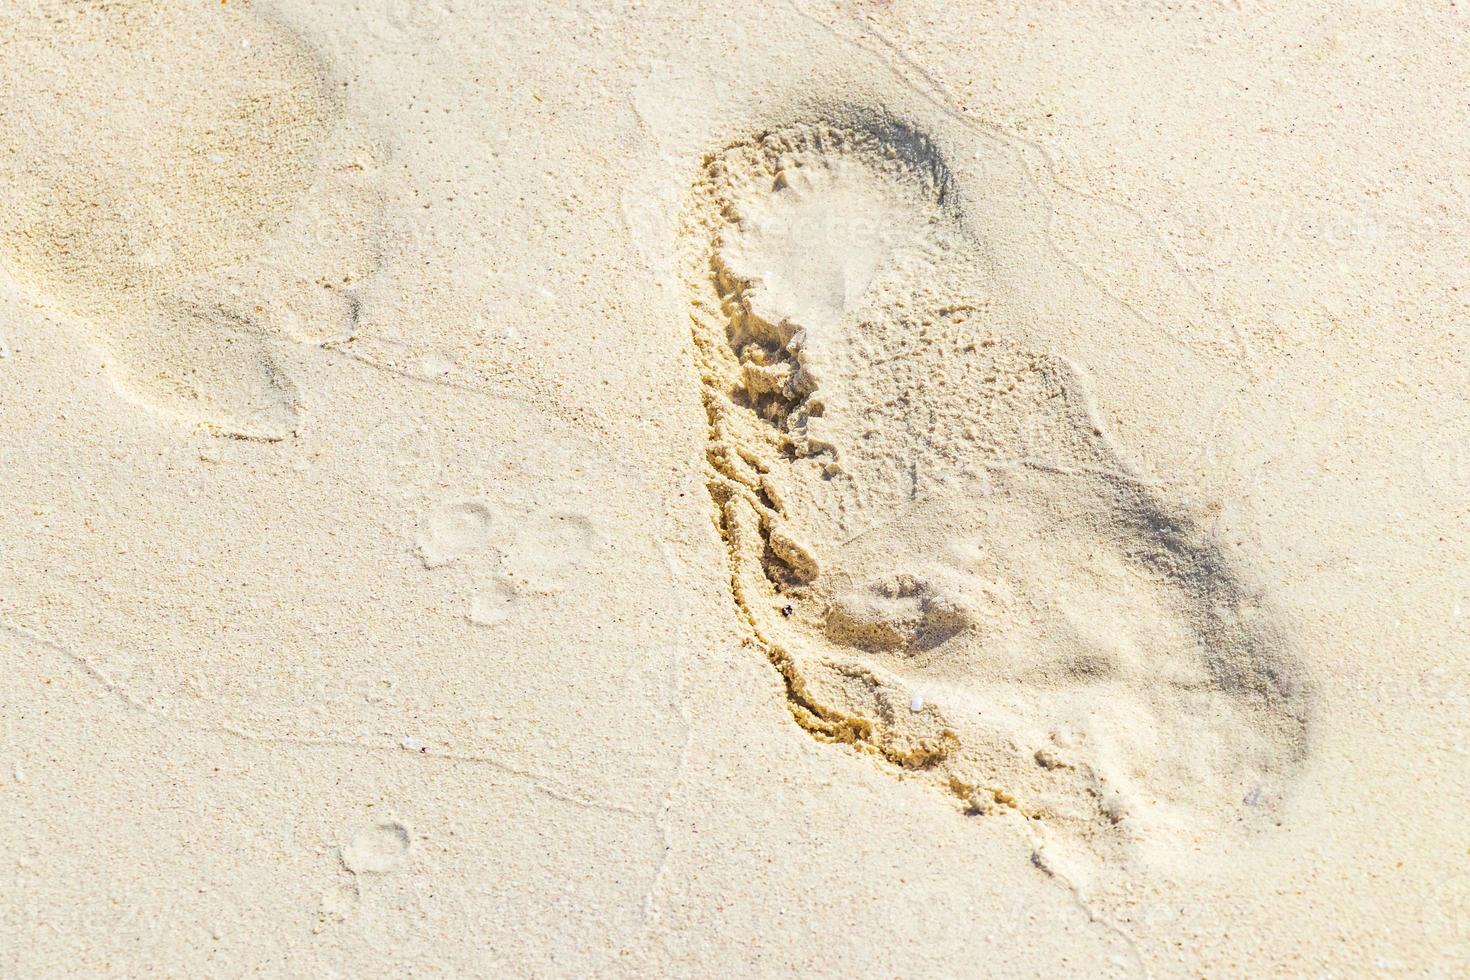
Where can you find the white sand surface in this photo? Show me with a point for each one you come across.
(881, 487)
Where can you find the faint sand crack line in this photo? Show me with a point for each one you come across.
(340, 349)
(133, 701)
(1088, 906)
(650, 910)
(583, 421)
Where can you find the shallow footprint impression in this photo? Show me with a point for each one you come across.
(930, 533)
(193, 217)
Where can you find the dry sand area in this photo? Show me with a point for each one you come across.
(840, 487)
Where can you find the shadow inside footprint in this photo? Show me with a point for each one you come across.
(932, 536)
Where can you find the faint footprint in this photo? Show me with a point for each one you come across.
(493, 602)
(455, 530)
(549, 544)
(511, 560)
(380, 849)
(930, 533)
(180, 177)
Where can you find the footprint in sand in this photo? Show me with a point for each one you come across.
(454, 530)
(194, 216)
(932, 536)
(514, 559)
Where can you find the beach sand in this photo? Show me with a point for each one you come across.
(681, 489)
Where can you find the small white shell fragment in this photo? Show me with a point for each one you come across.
(916, 703)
